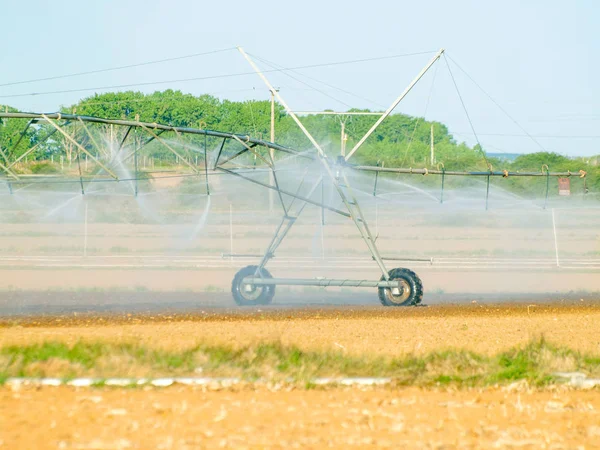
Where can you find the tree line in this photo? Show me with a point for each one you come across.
(400, 141)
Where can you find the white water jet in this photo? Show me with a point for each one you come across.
(63, 205)
(202, 220)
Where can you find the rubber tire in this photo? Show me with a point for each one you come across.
(411, 278)
(264, 298)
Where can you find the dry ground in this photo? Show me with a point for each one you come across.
(283, 417)
(186, 418)
(485, 329)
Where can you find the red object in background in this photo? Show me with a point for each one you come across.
(564, 186)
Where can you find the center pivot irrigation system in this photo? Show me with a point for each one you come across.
(254, 285)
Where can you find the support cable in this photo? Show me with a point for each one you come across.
(209, 77)
(110, 69)
(276, 66)
(498, 105)
(272, 64)
(466, 112)
(424, 114)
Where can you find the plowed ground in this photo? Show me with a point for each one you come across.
(283, 417)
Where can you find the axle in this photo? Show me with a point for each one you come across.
(321, 282)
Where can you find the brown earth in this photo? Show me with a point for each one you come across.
(282, 417)
(356, 330)
(190, 418)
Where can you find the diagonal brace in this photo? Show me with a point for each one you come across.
(162, 141)
(79, 146)
(284, 227)
(251, 149)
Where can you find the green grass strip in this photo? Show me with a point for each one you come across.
(534, 362)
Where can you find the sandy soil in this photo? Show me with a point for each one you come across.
(186, 418)
(356, 330)
(263, 417)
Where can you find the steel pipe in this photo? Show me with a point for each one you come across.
(392, 258)
(154, 126)
(504, 174)
(320, 282)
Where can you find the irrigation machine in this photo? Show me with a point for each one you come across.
(254, 284)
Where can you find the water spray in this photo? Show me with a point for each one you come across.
(254, 285)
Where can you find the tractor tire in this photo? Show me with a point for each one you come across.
(256, 295)
(411, 293)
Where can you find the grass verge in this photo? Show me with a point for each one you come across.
(533, 363)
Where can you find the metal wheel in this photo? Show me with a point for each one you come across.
(408, 293)
(248, 295)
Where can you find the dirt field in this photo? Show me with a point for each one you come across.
(184, 418)
(281, 417)
(356, 330)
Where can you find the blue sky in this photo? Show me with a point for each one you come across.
(537, 59)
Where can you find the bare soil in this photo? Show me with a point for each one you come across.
(188, 418)
(282, 417)
(483, 328)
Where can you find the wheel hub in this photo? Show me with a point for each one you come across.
(401, 293)
(251, 291)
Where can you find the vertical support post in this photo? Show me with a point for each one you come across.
(555, 238)
(271, 151)
(272, 116)
(431, 144)
(219, 153)
(80, 176)
(443, 179)
(85, 230)
(376, 179)
(343, 139)
(206, 165)
(135, 163)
